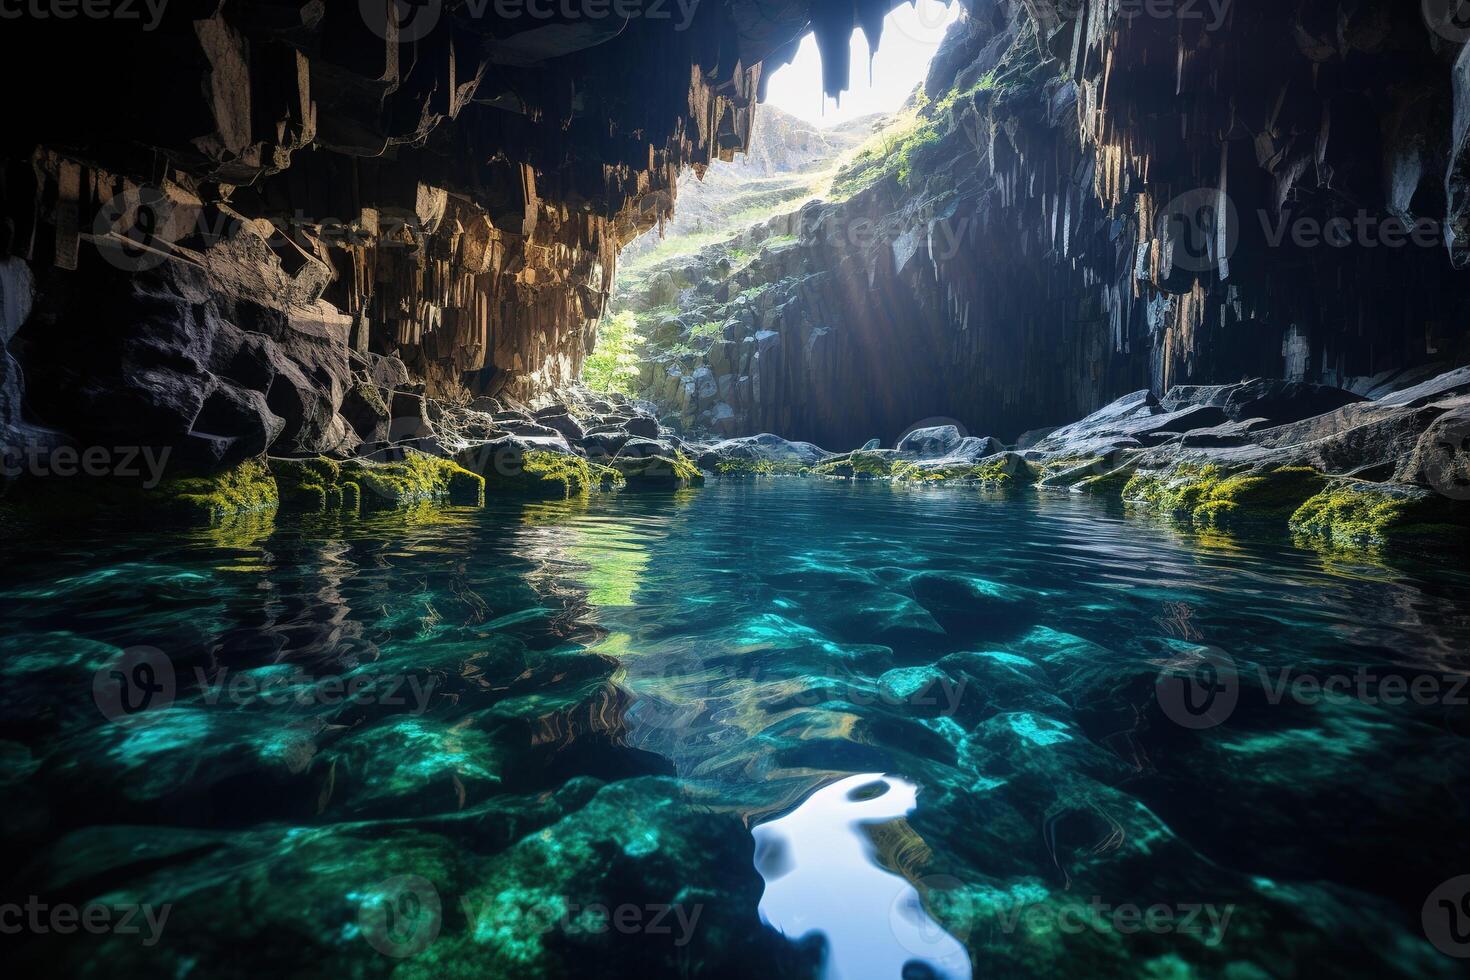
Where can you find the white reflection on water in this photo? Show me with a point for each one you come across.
(822, 876)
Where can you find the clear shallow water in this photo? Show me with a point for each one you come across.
(568, 719)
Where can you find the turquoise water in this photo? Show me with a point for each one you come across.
(546, 739)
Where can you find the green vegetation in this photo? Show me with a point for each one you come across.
(677, 471)
(245, 489)
(1005, 471)
(760, 467)
(1209, 496)
(708, 330)
(613, 364)
(419, 477)
(573, 474)
(1351, 514)
(863, 462)
(315, 484)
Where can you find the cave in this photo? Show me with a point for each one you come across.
(555, 487)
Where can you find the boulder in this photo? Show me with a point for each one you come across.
(932, 442)
(1277, 401)
(642, 425)
(1138, 404)
(768, 447)
(563, 423)
(1440, 458)
(366, 410)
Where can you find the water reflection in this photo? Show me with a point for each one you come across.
(597, 700)
(823, 879)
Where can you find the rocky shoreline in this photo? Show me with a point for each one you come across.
(1347, 469)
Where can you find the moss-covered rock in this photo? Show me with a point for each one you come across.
(567, 474)
(1208, 495)
(760, 467)
(674, 472)
(1352, 513)
(864, 464)
(1003, 470)
(205, 500)
(315, 485)
(417, 477)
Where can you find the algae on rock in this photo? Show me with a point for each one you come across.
(315, 484)
(1350, 513)
(418, 477)
(244, 489)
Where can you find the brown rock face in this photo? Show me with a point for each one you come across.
(445, 181)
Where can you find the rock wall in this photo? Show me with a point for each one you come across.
(1100, 198)
(216, 216)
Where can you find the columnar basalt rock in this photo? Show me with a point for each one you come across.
(215, 210)
(1099, 198)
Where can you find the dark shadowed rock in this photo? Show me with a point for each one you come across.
(642, 425)
(563, 423)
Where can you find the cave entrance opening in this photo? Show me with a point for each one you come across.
(701, 301)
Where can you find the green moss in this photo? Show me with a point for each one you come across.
(1350, 514)
(372, 397)
(1113, 481)
(418, 477)
(244, 489)
(571, 474)
(685, 468)
(675, 472)
(760, 467)
(863, 462)
(314, 484)
(1005, 471)
(1208, 495)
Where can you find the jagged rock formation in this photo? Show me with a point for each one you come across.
(1092, 202)
(221, 212)
(1095, 202)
